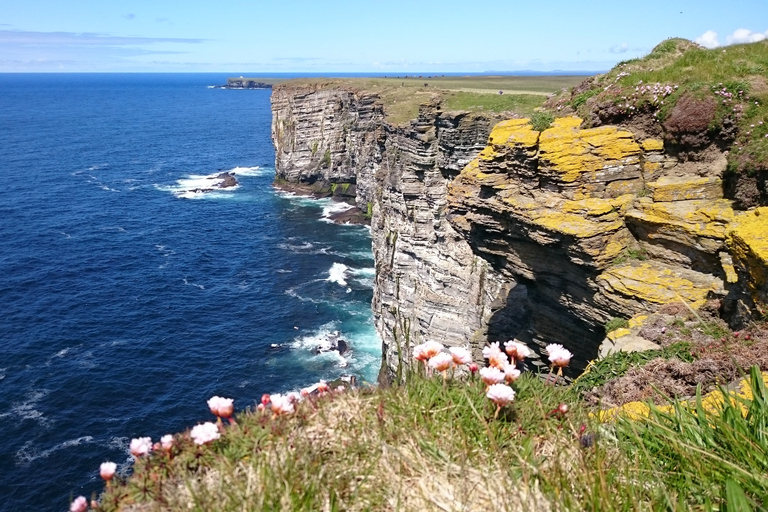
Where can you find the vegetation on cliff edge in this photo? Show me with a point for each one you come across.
(692, 95)
(439, 444)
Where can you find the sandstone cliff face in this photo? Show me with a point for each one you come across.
(484, 233)
(429, 285)
(597, 223)
(328, 139)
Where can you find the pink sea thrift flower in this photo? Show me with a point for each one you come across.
(79, 504)
(517, 351)
(167, 442)
(491, 375)
(472, 367)
(221, 407)
(498, 360)
(511, 374)
(141, 446)
(205, 433)
(432, 348)
(460, 355)
(558, 355)
(441, 362)
(500, 394)
(281, 404)
(491, 350)
(107, 470)
(323, 387)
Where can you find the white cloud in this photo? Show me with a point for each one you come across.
(708, 39)
(744, 35)
(619, 48)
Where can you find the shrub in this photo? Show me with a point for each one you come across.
(541, 120)
(616, 323)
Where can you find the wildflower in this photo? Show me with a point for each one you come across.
(491, 375)
(261, 407)
(558, 355)
(221, 407)
(79, 504)
(141, 446)
(281, 404)
(498, 360)
(205, 433)
(517, 351)
(460, 355)
(511, 374)
(493, 348)
(167, 442)
(472, 367)
(265, 399)
(427, 350)
(322, 387)
(305, 392)
(107, 470)
(441, 362)
(501, 395)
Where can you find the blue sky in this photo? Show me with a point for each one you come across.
(251, 36)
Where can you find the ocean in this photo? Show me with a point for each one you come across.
(128, 299)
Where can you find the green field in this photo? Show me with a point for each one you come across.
(402, 96)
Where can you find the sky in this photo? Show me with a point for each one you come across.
(388, 36)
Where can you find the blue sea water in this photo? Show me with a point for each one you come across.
(128, 301)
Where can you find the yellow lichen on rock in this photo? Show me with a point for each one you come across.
(509, 133)
(712, 402)
(637, 321)
(590, 206)
(572, 151)
(686, 188)
(701, 223)
(748, 242)
(618, 333)
(654, 283)
(653, 145)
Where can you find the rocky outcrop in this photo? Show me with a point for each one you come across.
(429, 285)
(598, 224)
(329, 140)
(484, 232)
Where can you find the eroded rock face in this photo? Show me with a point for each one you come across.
(484, 233)
(429, 285)
(595, 224)
(328, 138)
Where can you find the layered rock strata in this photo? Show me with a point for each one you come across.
(484, 232)
(598, 224)
(429, 285)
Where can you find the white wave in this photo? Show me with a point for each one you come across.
(28, 453)
(246, 171)
(335, 207)
(293, 292)
(193, 284)
(196, 186)
(365, 272)
(337, 274)
(66, 234)
(283, 271)
(317, 338)
(2, 373)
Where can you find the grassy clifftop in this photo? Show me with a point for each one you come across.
(691, 95)
(437, 443)
(401, 96)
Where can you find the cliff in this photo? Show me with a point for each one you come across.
(429, 284)
(488, 229)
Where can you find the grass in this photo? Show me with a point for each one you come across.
(436, 444)
(726, 89)
(401, 96)
(522, 104)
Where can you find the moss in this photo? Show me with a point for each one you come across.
(616, 323)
